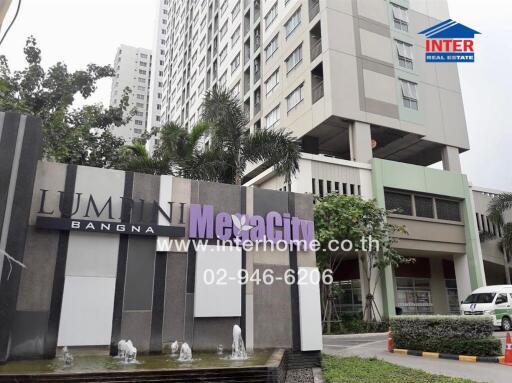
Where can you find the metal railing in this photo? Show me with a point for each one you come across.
(318, 92)
(314, 9)
(316, 49)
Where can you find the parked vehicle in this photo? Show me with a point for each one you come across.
(495, 301)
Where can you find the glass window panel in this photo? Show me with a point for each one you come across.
(398, 201)
(424, 206)
(448, 210)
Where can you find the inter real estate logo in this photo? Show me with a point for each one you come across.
(449, 41)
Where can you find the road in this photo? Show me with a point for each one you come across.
(374, 345)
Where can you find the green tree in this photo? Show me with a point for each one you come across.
(71, 135)
(232, 147)
(220, 147)
(499, 205)
(357, 222)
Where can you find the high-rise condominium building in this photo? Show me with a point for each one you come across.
(133, 70)
(348, 78)
(4, 7)
(157, 68)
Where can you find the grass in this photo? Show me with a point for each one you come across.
(358, 370)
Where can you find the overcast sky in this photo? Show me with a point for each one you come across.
(79, 32)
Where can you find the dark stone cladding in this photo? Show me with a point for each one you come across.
(121, 266)
(50, 342)
(296, 341)
(157, 316)
(243, 317)
(7, 146)
(20, 212)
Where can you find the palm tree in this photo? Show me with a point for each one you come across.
(496, 210)
(233, 147)
(219, 148)
(135, 158)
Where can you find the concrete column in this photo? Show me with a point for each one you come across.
(360, 142)
(302, 183)
(451, 159)
(438, 286)
(460, 263)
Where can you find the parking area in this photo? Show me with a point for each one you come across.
(374, 346)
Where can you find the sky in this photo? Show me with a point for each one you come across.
(79, 32)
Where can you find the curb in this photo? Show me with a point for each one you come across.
(461, 358)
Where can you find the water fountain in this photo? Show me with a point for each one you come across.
(174, 347)
(238, 351)
(67, 357)
(185, 353)
(126, 351)
(220, 349)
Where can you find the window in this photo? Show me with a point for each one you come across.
(143, 56)
(271, 16)
(294, 59)
(452, 296)
(448, 209)
(424, 206)
(139, 105)
(400, 18)
(138, 122)
(235, 63)
(223, 7)
(295, 97)
(235, 91)
(405, 54)
(398, 201)
(292, 23)
(139, 114)
(501, 299)
(271, 82)
(142, 71)
(235, 10)
(143, 63)
(272, 119)
(350, 300)
(140, 97)
(223, 29)
(223, 79)
(271, 47)
(414, 295)
(223, 54)
(141, 88)
(409, 94)
(235, 36)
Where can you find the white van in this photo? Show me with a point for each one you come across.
(495, 301)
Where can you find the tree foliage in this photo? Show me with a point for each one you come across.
(75, 135)
(220, 147)
(499, 206)
(365, 225)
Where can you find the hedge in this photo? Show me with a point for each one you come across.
(460, 335)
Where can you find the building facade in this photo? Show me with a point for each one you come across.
(132, 70)
(349, 80)
(498, 267)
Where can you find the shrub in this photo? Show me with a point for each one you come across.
(354, 324)
(446, 334)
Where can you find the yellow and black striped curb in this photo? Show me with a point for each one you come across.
(440, 355)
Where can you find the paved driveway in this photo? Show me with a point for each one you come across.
(374, 345)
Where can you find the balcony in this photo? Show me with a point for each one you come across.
(317, 91)
(314, 8)
(316, 49)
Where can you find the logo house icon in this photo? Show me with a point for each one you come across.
(449, 41)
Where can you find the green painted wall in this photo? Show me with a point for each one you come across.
(390, 174)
